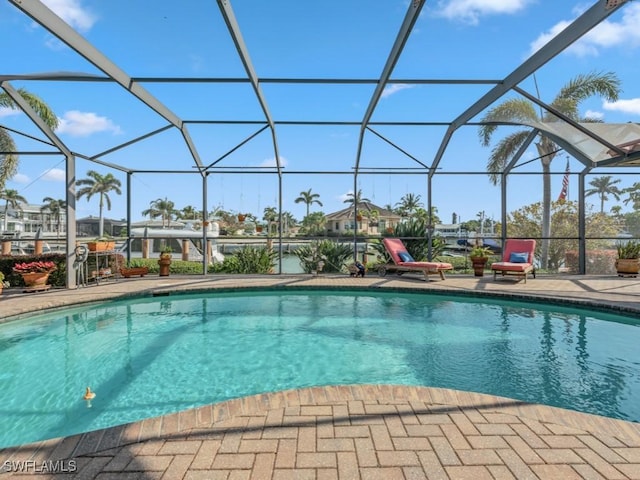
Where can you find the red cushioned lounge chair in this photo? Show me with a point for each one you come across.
(517, 259)
(403, 262)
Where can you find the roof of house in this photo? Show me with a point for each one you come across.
(347, 212)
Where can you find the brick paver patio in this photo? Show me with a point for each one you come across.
(349, 432)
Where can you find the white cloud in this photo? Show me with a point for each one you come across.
(394, 88)
(8, 112)
(594, 115)
(20, 178)
(271, 162)
(607, 34)
(470, 11)
(631, 106)
(72, 12)
(83, 124)
(54, 175)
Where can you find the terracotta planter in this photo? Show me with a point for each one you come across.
(478, 264)
(628, 266)
(133, 271)
(35, 279)
(241, 217)
(165, 264)
(101, 246)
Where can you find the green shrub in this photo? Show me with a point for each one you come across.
(333, 254)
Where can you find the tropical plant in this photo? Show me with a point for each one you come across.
(163, 208)
(188, 213)
(522, 111)
(408, 204)
(12, 199)
(9, 160)
(314, 223)
(250, 260)
(480, 252)
(633, 193)
(629, 249)
(333, 254)
(270, 215)
(34, 267)
(100, 185)
(54, 208)
(603, 187)
(526, 223)
(309, 199)
(413, 235)
(356, 198)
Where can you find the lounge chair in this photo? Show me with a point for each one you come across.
(403, 262)
(517, 259)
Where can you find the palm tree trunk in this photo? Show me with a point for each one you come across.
(101, 219)
(545, 150)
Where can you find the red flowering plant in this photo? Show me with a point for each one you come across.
(34, 267)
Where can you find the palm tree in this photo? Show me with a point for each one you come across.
(188, 213)
(633, 193)
(520, 110)
(408, 204)
(54, 208)
(604, 186)
(271, 217)
(9, 161)
(100, 185)
(161, 207)
(12, 199)
(356, 198)
(308, 198)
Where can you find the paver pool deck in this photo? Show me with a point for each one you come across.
(347, 432)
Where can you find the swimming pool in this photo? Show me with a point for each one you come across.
(149, 356)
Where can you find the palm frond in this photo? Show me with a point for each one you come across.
(513, 110)
(606, 85)
(504, 151)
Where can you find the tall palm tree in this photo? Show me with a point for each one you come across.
(408, 204)
(100, 185)
(161, 207)
(54, 207)
(9, 161)
(603, 187)
(188, 213)
(520, 110)
(271, 217)
(356, 198)
(633, 193)
(12, 200)
(308, 198)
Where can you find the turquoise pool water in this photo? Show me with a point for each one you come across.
(150, 356)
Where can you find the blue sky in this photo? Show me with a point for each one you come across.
(456, 39)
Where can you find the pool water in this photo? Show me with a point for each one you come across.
(150, 356)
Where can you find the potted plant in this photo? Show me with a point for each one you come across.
(101, 244)
(165, 260)
(1, 282)
(35, 274)
(134, 268)
(628, 261)
(479, 257)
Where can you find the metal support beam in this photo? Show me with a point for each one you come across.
(401, 39)
(54, 24)
(236, 35)
(568, 120)
(588, 20)
(582, 222)
(70, 178)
